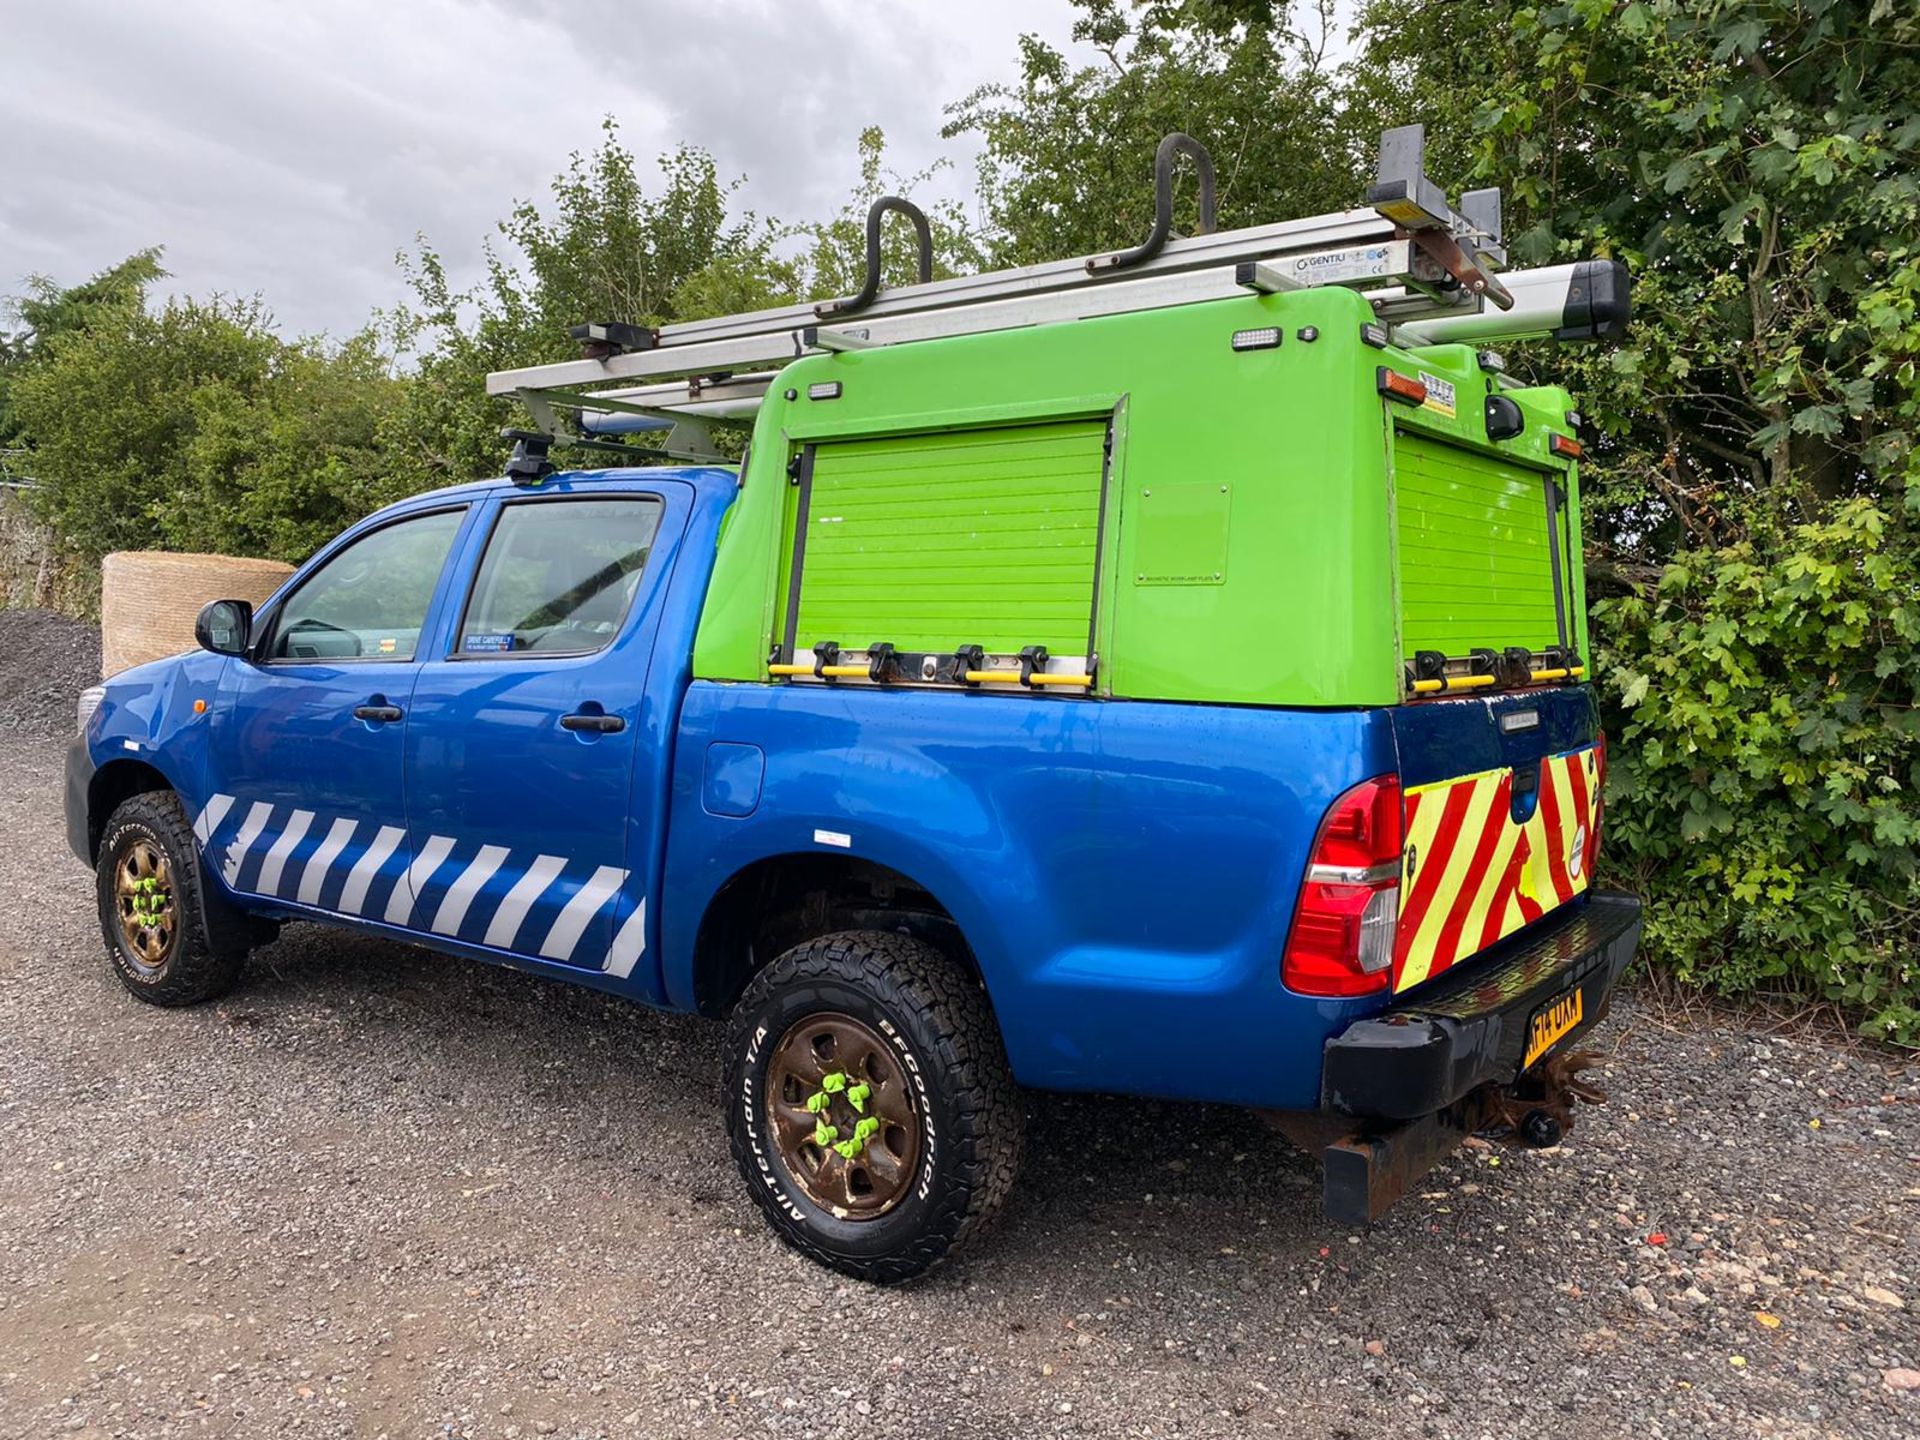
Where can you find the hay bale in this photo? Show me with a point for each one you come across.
(149, 599)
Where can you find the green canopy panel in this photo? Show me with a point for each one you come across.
(929, 542)
(1476, 542)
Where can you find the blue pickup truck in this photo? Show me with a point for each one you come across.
(1186, 702)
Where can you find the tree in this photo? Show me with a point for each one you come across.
(192, 426)
(1068, 161)
(1752, 494)
(46, 312)
(606, 249)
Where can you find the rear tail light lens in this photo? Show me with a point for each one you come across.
(1342, 938)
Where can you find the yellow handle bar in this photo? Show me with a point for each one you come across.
(1475, 682)
(1012, 677)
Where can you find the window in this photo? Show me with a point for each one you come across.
(369, 601)
(558, 576)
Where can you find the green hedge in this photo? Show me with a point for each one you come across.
(1765, 755)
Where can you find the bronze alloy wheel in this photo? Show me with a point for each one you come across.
(143, 895)
(832, 1055)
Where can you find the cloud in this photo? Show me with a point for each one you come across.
(290, 151)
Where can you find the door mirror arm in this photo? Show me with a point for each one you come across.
(225, 627)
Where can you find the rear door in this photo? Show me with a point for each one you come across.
(1501, 791)
(1481, 546)
(1502, 807)
(522, 790)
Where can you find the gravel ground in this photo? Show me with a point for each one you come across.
(46, 660)
(378, 1192)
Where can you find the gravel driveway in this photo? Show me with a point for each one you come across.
(380, 1192)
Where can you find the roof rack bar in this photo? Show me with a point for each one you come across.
(779, 347)
(1194, 252)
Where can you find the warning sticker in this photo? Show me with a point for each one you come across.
(481, 644)
(1439, 394)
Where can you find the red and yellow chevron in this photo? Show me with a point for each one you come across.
(1471, 874)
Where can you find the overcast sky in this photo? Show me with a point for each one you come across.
(290, 149)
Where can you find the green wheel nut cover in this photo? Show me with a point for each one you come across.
(862, 1133)
(825, 1135)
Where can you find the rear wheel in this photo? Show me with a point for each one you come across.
(870, 1104)
(151, 907)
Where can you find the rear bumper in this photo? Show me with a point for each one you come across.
(1465, 1030)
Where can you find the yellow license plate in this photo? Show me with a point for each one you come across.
(1552, 1023)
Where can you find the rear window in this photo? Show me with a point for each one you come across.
(559, 576)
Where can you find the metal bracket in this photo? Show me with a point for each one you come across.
(682, 437)
(1265, 276)
(1403, 194)
(813, 337)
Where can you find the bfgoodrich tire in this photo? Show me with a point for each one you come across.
(870, 1105)
(152, 907)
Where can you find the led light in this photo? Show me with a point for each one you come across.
(1374, 335)
(1565, 446)
(1395, 386)
(1264, 339)
(1493, 362)
(825, 390)
(90, 699)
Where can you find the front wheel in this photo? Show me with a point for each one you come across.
(151, 906)
(870, 1104)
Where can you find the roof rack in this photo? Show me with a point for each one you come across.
(1430, 271)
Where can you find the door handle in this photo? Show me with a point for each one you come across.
(376, 712)
(593, 723)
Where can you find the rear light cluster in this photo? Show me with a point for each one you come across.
(1342, 938)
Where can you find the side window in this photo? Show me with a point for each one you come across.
(558, 576)
(369, 601)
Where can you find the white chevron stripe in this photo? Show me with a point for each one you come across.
(453, 907)
(581, 909)
(242, 842)
(430, 858)
(315, 875)
(513, 910)
(211, 814)
(276, 862)
(630, 944)
(354, 897)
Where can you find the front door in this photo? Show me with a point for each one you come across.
(521, 737)
(305, 758)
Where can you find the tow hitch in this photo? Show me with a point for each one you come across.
(1537, 1110)
(1369, 1170)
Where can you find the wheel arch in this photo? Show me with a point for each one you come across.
(110, 787)
(778, 901)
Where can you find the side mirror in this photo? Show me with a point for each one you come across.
(224, 626)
